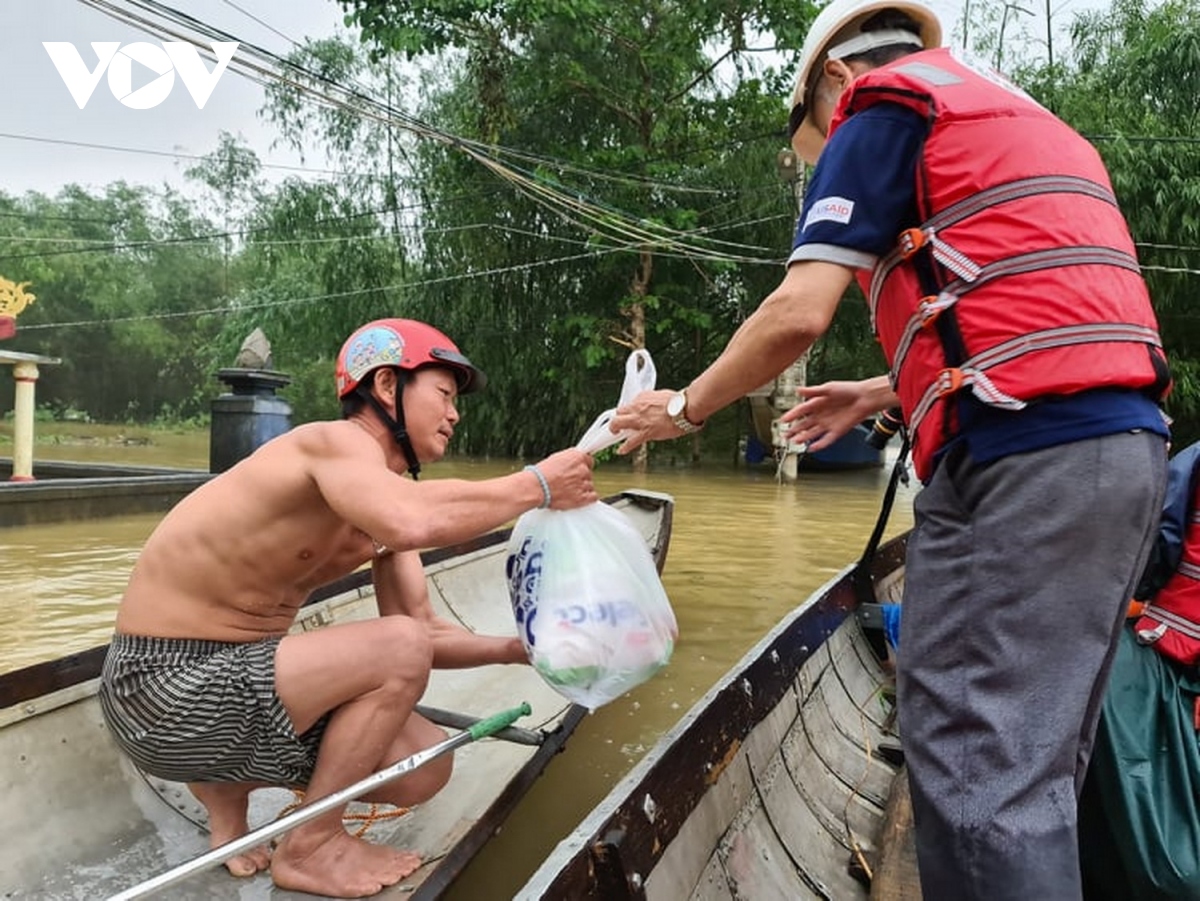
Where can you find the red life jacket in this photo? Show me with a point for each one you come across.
(1021, 280)
(1171, 620)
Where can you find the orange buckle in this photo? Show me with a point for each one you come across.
(927, 311)
(949, 381)
(910, 241)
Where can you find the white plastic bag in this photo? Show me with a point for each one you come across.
(589, 605)
(639, 376)
(590, 608)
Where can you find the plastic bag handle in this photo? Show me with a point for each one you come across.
(640, 376)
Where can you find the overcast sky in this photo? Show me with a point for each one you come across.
(38, 117)
(37, 104)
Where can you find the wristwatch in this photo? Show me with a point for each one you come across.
(677, 410)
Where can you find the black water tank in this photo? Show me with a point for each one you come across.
(247, 416)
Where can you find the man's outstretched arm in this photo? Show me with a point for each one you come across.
(401, 589)
(783, 327)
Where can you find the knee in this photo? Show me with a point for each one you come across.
(421, 785)
(398, 654)
(404, 647)
(439, 772)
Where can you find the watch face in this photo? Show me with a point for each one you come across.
(675, 404)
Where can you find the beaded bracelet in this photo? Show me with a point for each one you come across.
(545, 485)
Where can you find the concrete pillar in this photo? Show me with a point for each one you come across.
(248, 416)
(25, 373)
(783, 399)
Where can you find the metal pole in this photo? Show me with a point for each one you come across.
(218, 855)
(514, 734)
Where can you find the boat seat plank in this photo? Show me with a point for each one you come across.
(896, 877)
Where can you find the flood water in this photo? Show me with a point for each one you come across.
(744, 550)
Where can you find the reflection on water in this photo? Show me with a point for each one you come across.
(744, 550)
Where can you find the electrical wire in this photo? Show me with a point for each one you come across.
(266, 68)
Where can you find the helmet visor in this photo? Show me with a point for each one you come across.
(470, 378)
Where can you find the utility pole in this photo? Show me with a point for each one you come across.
(783, 397)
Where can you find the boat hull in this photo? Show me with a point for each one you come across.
(84, 822)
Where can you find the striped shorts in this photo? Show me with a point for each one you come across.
(204, 711)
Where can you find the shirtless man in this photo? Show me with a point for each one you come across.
(203, 684)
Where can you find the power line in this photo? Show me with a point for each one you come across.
(586, 213)
(173, 154)
(266, 25)
(292, 301)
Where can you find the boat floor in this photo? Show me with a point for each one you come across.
(154, 825)
(82, 822)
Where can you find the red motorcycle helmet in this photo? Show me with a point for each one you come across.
(405, 344)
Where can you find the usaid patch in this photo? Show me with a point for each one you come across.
(829, 209)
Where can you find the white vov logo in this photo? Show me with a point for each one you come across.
(165, 61)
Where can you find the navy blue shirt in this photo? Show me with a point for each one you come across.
(862, 195)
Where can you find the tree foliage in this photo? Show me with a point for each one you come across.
(656, 127)
(1130, 83)
(601, 176)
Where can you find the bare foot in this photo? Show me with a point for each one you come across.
(227, 803)
(339, 865)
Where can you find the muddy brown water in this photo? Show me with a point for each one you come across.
(744, 550)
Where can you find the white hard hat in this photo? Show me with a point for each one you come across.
(836, 33)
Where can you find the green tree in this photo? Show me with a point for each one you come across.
(118, 277)
(324, 256)
(1129, 83)
(642, 208)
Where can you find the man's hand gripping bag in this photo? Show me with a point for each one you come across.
(590, 608)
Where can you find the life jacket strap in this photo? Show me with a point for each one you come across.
(1084, 255)
(972, 372)
(914, 239)
(1180, 624)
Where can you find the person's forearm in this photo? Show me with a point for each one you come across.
(779, 332)
(879, 394)
(758, 352)
(445, 511)
(455, 648)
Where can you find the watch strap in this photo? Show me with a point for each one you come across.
(681, 421)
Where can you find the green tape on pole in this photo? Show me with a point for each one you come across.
(502, 720)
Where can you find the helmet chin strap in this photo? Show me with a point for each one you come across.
(396, 426)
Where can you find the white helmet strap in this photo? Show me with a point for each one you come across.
(869, 40)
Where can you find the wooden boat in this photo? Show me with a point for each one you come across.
(775, 785)
(82, 821)
(851, 451)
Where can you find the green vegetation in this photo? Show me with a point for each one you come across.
(552, 182)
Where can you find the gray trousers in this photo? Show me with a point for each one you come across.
(1017, 580)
